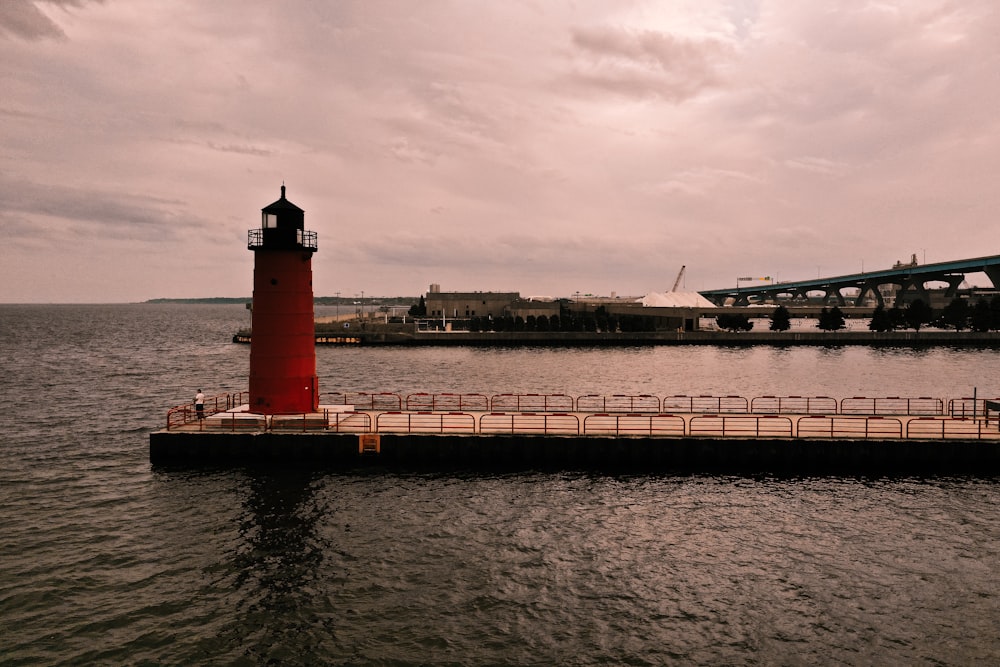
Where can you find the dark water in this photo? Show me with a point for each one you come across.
(104, 560)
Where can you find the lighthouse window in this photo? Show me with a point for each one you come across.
(270, 220)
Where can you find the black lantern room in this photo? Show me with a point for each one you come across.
(282, 227)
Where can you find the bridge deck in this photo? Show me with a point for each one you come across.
(952, 272)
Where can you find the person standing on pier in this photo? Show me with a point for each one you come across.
(199, 404)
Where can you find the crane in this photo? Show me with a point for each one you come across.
(680, 274)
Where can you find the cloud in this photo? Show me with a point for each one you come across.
(26, 20)
(697, 182)
(645, 63)
(240, 149)
(817, 165)
(66, 214)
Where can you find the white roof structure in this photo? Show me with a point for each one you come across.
(676, 300)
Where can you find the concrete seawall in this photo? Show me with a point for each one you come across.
(634, 454)
(586, 338)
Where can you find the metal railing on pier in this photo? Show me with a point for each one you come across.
(858, 428)
(947, 427)
(678, 403)
(425, 422)
(546, 423)
(188, 412)
(802, 405)
(704, 416)
(634, 424)
(740, 426)
(361, 400)
(532, 403)
(891, 405)
(447, 401)
(705, 403)
(618, 403)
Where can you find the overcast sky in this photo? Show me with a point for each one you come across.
(540, 146)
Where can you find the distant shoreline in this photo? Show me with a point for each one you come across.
(206, 300)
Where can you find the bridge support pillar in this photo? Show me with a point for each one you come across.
(872, 287)
(993, 273)
(834, 291)
(917, 285)
(953, 283)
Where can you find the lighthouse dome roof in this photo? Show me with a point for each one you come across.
(281, 205)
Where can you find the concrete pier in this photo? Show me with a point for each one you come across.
(796, 435)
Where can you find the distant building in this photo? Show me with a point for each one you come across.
(674, 311)
(468, 304)
(526, 308)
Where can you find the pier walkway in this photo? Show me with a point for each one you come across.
(677, 416)
(346, 419)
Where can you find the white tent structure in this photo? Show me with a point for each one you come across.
(675, 300)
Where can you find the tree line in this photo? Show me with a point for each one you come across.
(959, 314)
(600, 321)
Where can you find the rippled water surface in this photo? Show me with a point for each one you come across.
(105, 560)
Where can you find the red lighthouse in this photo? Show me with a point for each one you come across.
(282, 344)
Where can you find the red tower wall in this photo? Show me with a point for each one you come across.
(283, 346)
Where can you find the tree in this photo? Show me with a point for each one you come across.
(419, 309)
(734, 322)
(981, 318)
(831, 319)
(837, 318)
(995, 313)
(917, 314)
(897, 317)
(880, 320)
(956, 314)
(781, 319)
